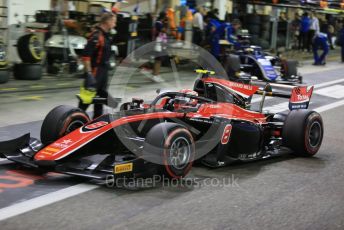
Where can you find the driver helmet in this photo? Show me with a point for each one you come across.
(186, 101)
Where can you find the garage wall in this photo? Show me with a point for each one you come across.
(15, 11)
(24, 7)
(30, 7)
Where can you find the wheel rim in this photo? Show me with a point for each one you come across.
(314, 134)
(36, 48)
(74, 125)
(180, 153)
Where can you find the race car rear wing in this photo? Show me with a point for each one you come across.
(298, 99)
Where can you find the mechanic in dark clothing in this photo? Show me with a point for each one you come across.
(96, 60)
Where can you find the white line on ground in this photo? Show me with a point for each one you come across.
(328, 83)
(44, 200)
(334, 91)
(329, 106)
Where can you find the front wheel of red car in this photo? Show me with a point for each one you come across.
(60, 121)
(303, 132)
(171, 147)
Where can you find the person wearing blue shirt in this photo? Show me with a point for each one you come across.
(223, 31)
(227, 32)
(320, 41)
(304, 32)
(214, 36)
(211, 23)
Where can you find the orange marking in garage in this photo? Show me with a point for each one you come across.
(24, 174)
(21, 179)
(20, 182)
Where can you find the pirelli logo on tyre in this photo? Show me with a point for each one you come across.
(123, 168)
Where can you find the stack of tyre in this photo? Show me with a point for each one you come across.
(259, 27)
(31, 52)
(4, 70)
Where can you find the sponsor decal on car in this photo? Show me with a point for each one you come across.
(96, 125)
(61, 145)
(226, 134)
(123, 168)
(300, 97)
(244, 90)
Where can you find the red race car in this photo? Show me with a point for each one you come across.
(211, 124)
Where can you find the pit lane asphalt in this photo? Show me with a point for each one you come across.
(285, 193)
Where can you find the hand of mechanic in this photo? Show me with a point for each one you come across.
(90, 81)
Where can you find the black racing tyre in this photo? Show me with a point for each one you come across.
(253, 19)
(171, 147)
(289, 68)
(3, 55)
(254, 29)
(60, 121)
(4, 75)
(303, 132)
(30, 48)
(23, 71)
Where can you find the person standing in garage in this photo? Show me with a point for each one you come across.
(96, 58)
(304, 31)
(198, 26)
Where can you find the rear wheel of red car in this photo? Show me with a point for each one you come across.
(303, 132)
(172, 147)
(60, 121)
